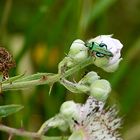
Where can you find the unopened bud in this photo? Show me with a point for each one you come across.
(100, 89)
(78, 52)
(89, 78)
(69, 109)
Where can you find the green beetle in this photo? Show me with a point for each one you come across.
(99, 49)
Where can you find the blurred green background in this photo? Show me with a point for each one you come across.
(39, 33)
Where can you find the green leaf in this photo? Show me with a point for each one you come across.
(6, 110)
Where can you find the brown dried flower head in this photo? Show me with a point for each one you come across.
(6, 62)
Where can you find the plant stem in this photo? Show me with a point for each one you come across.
(23, 133)
(19, 132)
(43, 78)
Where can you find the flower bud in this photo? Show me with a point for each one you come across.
(77, 46)
(100, 89)
(109, 64)
(89, 78)
(69, 110)
(78, 52)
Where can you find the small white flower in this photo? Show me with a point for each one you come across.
(95, 122)
(114, 46)
(80, 52)
(89, 121)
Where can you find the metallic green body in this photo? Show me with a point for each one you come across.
(100, 49)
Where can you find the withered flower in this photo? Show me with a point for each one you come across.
(6, 62)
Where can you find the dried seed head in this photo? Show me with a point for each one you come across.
(6, 62)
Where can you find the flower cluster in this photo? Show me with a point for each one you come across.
(90, 121)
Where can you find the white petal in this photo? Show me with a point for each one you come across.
(113, 67)
(114, 59)
(117, 43)
(114, 46)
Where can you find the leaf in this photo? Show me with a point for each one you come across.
(7, 110)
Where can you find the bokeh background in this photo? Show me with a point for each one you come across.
(39, 33)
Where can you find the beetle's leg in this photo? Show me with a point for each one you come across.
(103, 45)
(92, 54)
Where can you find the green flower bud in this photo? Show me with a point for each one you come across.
(78, 52)
(69, 110)
(76, 47)
(100, 89)
(89, 78)
(82, 55)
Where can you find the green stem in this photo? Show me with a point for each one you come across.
(23, 133)
(43, 78)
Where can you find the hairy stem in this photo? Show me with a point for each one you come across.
(19, 132)
(23, 133)
(43, 78)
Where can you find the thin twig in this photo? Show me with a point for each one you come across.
(19, 132)
(33, 135)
